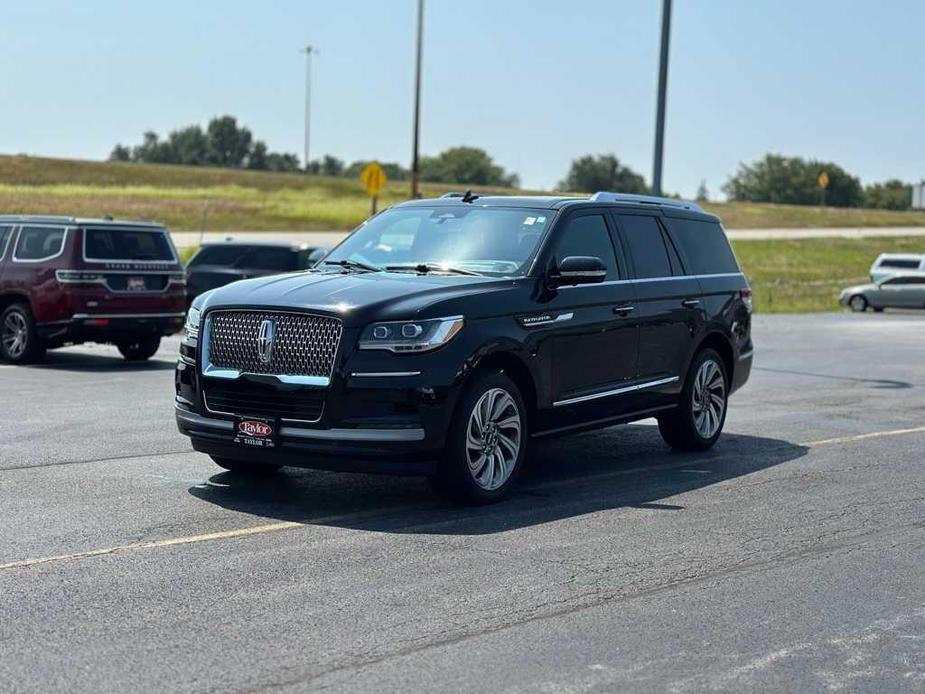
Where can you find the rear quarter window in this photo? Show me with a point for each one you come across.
(705, 245)
(5, 233)
(39, 243)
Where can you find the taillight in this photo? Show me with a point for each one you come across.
(79, 277)
(746, 296)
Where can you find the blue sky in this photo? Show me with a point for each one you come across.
(536, 83)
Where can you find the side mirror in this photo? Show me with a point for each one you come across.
(577, 269)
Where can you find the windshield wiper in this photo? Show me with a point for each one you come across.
(424, 268)
(353, 265)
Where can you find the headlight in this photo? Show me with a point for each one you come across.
(411, 336)
(192, 322)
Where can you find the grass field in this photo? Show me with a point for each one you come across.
(808, 274)
(193, 198)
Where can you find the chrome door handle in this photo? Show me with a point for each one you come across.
(690, 303)
(623, 310)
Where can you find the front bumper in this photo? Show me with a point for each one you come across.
(392, 451)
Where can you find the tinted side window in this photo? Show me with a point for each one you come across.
(218, 255)
(5, 233)
(588, 235)
(282, 259)
(900, 263)
(705, 246)
(36, 243)
(646, 246)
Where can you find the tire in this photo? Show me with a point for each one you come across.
(140, 347)
(19, 339)
(694, 425)
(465, 473)
(245, 467)
(858, 303)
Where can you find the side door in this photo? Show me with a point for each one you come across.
(894, 293)
(667, 304)
(591, 342)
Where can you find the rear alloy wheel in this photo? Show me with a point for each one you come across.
(19, 340)
(245, 467)
(487, 442)
(858, 303)
(698, 421)
(139, 348)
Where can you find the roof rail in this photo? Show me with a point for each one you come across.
(453, 195)
(37, 218)
(604, 196)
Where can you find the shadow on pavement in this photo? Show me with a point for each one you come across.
(623, 467)
(101, 362)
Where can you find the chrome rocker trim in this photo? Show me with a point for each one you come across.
(616, 391)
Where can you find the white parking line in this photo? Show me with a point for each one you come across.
(288, 525)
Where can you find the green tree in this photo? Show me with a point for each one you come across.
(331, 166)
(703, 195)
(889, 195)
(466, 166)
(590, 174)
(257, 159)
(228, 145)
(152, 150)
(793, 181)
(120, 153)
(282, 162)
(188, 146)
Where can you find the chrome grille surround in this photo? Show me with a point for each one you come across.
(305, 345)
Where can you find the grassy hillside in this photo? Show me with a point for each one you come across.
(808, 274)
(183, 197)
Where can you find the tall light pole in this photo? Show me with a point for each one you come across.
(416, 139)
(308, 50)
(660, 108)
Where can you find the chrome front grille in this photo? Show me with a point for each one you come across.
(302, 344)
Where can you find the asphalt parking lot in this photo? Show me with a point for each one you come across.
(791, 557)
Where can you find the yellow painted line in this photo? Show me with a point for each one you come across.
(864, 437)
(288, 525)
(189, 540)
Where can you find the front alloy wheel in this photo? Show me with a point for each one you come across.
(486, 442)
(493, 439)
(858, 303)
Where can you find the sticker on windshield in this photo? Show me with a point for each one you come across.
(540, 220)
(530, 221)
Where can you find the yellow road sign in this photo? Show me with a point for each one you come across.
(373, 179)
(823, 180)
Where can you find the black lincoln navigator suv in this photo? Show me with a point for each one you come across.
(442, 336)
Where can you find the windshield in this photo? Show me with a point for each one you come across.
(127, 244)
(495, 241)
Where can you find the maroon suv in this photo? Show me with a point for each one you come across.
(65, 281)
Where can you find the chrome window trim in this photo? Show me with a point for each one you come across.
(116, 227)
(655, 279)
(616, 391)
(211, 371)
(363, 435)
(9, 239)
(47, 257)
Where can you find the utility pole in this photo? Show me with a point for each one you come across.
(308, 50)
(415, 167)
(660, 108)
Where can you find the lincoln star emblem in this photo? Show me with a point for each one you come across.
(265, 338)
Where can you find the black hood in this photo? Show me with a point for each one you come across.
(360, 297)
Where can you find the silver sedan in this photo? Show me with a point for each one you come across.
(896, 291)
